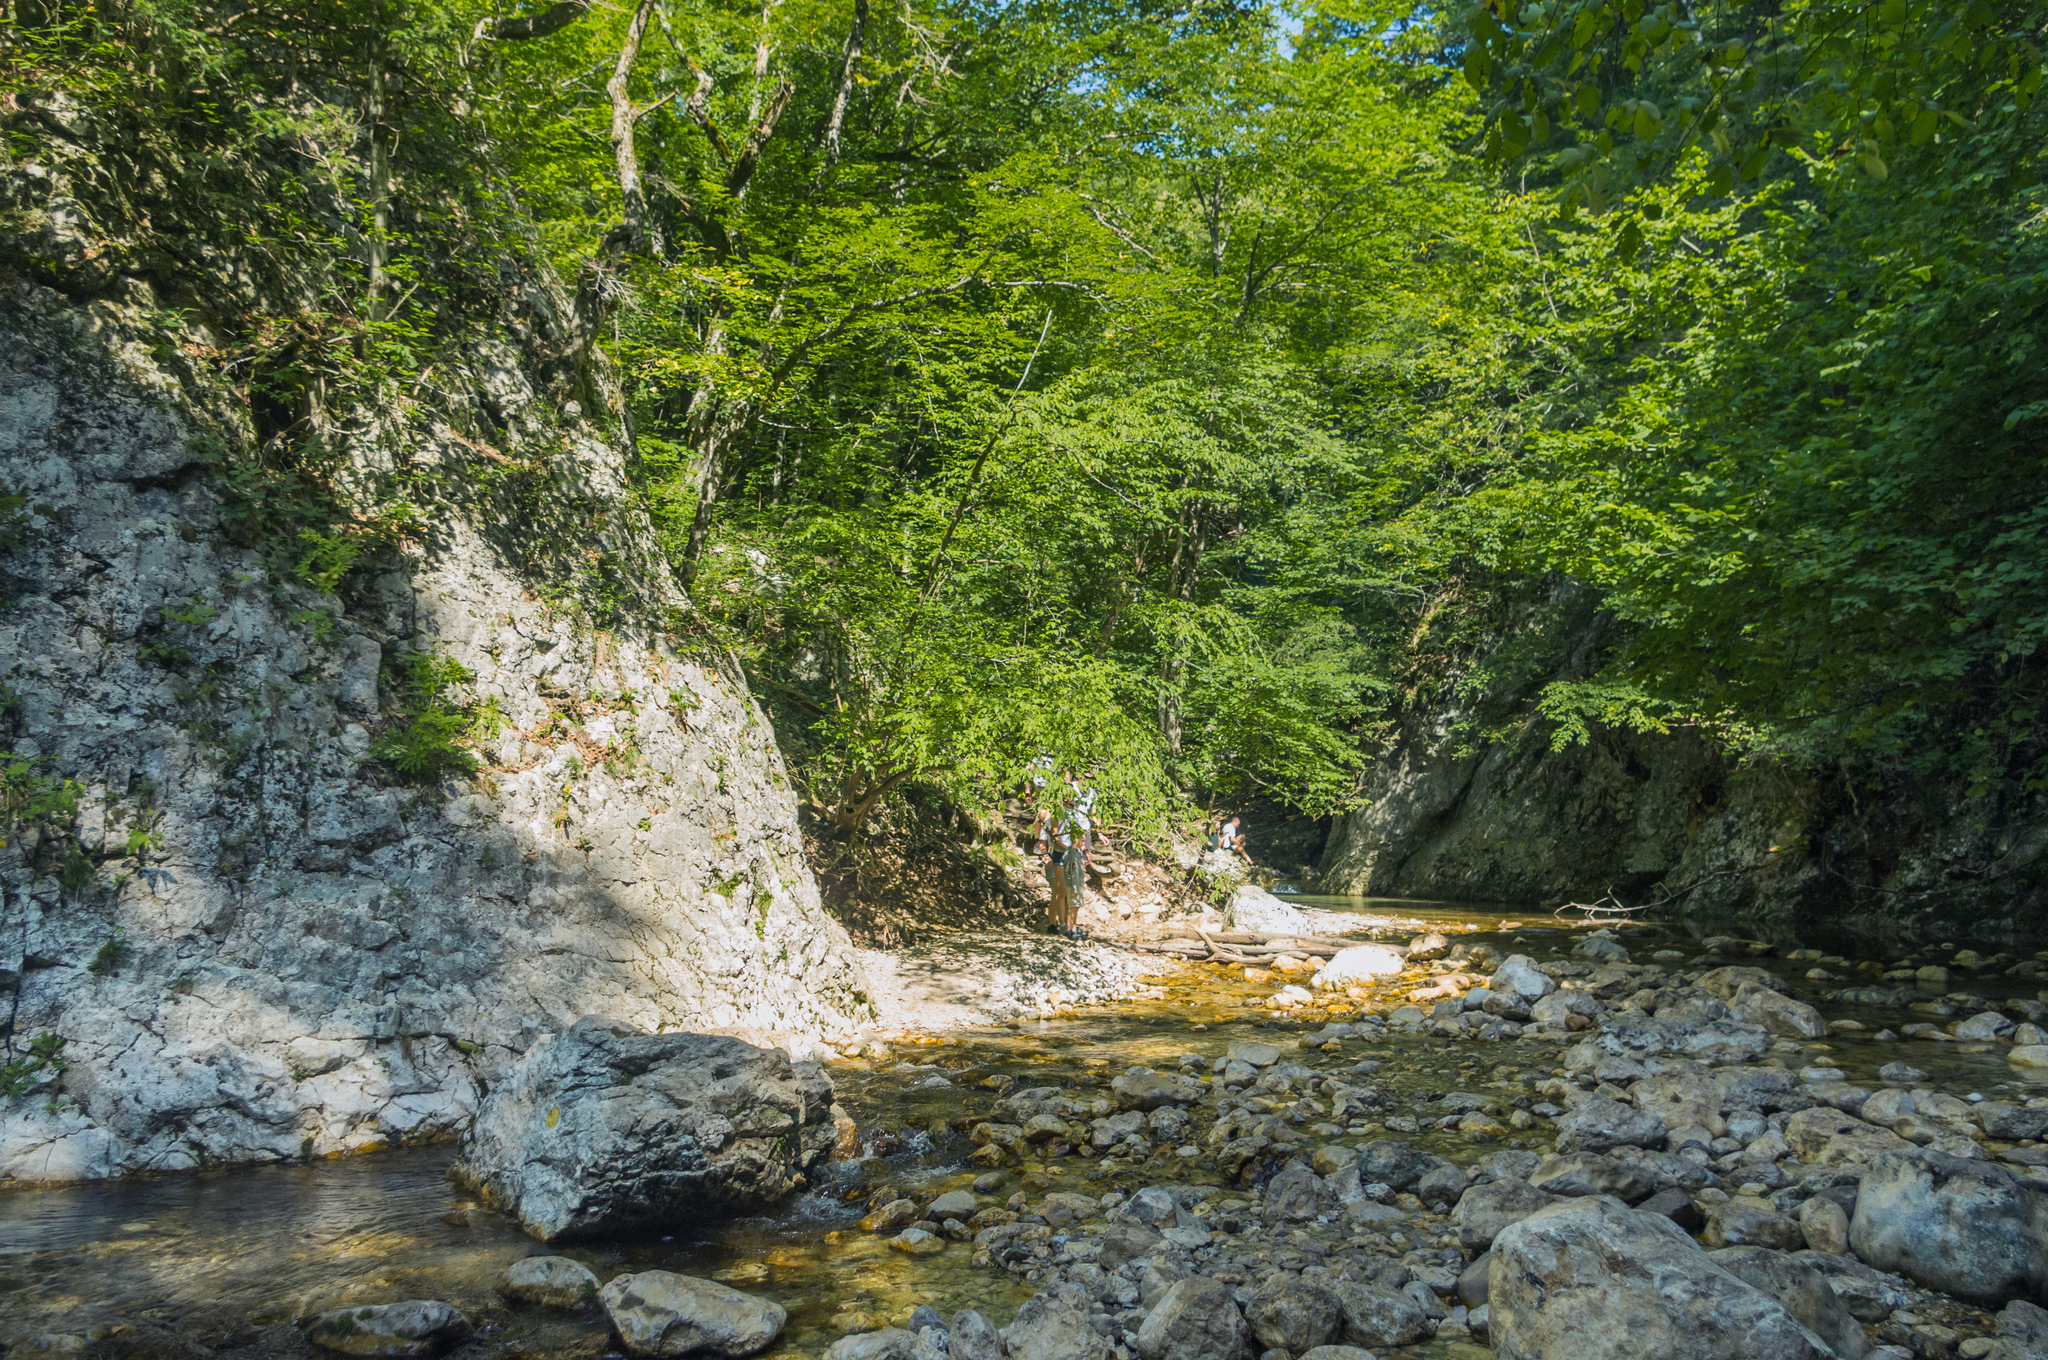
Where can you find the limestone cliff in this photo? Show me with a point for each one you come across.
(1668, 818)
(252, 940)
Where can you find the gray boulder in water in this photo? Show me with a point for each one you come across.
(603, 1129)
(417, 1327)
(659, 1313)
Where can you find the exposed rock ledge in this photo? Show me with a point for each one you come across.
(308, 960)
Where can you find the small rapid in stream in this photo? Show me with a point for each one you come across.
(232, 1258)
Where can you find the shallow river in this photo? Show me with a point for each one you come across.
(232, 1257)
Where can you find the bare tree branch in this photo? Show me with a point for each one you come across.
(742, 171)
(625, 159)
(835, 122)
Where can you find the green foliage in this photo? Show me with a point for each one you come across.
(109, 956)
(19, 1075)
(432, 724)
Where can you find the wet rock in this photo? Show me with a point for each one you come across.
(1143, 1089)
(973, 1337)
(1801, 1291)
(1557, 1009)
(1984, 1025)
(1591, 1280)
(1677, 1206)
(1602, 947)
(1359, 963)
(1197, 1319)
(1485, 1210)
(602, 1129)
(1965, 1227)
(2001, 1120)
(1378, 1318)
(953, 1204)
(1599, 1124)
(1726, 982)
(1683, 1097)
(1828, 1137)
(550, 1281)
(2022, 1332)
(2028, 1055)
(1825, 1224)
(917, 1242)
(1590, 1173)
(659, 1313)
(893, 1214)
(1054, 1326)
(1337, 1353)
(415, 1327)
(1294, 1313)
(1780, 1014)
(1254, 1053)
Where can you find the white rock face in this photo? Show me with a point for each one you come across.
(1358, 964)
(1255, 909)
(307, 958)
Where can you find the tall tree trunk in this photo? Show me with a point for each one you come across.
(377, 123)
(1181, 576)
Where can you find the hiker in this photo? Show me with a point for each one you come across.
(1232, 838)
(1063, 839)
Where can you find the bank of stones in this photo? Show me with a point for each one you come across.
(1276, 1191)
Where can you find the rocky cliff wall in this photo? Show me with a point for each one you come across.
(253, 942)
(1669, 819)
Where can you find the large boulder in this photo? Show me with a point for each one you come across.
(891, 1343)
(1590, 1279)
(1801, 1291)
(1962, 1226)
(416, 1327)
(1054, 1326)
(1261, 913)
(1598, 1124)
(659, 1313)
(1294, 1313)
(1519, 977)
(1828, 1137)
(603, 1129)
(1360, 963)
(1197, 1319)
(1590, 1173)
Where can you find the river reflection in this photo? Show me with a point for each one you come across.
(233, 1257)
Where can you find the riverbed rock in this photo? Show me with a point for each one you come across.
(1054, 1326)
(1125, 1243)
(890, 1343)
(1828, 1137)
(1520, 978)
(953, 1204)
(1825, 1224)
(1485, 1210)
(660, 1313)
(1378, 1318)
(1259, 912)
(1801, 1291)
(1294, 1313)
(1392, 1163)
(1197, 1319)
(1726, 982)
(971, 1336)
(1590, 1173)
(1965, 1227)
(1297, 1195)
(415, 1327)
(1143, 1089)
(1592, 1280)
(1778, 1013)
(1598, 1124)
(550, 1281)
(1746, 1222)
(603, 1129)
(1359, 963)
